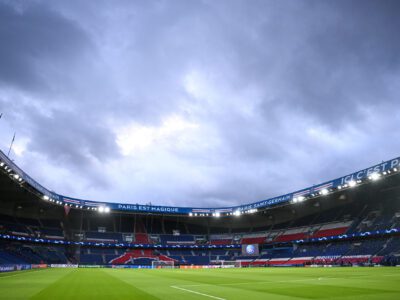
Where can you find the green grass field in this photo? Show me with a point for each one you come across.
(219, 284)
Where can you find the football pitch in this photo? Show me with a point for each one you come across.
(203, 284)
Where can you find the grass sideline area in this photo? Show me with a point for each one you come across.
(217, 284)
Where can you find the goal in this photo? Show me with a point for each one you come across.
(231, 264)
(162, 264)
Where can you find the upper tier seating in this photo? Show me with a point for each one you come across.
(293, 234)
(221, 242)
(331, 229)
(253, 240)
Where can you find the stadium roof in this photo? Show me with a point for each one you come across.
(349, 181)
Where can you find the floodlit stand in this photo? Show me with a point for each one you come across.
(161, 264)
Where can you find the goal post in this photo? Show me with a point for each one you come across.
(231, 264)
(162, 264)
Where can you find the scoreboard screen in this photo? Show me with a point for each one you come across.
(250, 249)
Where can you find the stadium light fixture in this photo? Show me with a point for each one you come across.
(352, 183)
(324, 192)
(375, 176)
(237, 213)
(301, 198)
(1, 164)
(107, 209)
(217, 214)
(45, 197)
(101, 209)
(190, 214)
(16, 176)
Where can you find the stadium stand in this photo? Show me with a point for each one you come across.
(360, 226)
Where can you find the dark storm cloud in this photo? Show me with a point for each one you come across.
(43, 55)
(34, 38)
(199, 102)
(326, 58)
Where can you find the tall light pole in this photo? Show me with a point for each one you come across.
(12, 141)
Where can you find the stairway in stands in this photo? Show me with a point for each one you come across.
(141, 236)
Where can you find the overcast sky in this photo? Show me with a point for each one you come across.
(198, 103)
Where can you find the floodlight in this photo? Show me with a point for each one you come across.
(301, 198)
(352, 183)
(190, 214)
(375, 176)
(107, 209)
(45, 197)
(217, 214)
(237, 213)
(101, 209)
(324, 192)
(16, 176)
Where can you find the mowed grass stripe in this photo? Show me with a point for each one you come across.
(18, 273)
(229, 284)
(310, 288)
(91, 284)
(278, 283)
(25, 284)
(307, 289)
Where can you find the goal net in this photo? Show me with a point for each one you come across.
(161, 264)
(231, 264)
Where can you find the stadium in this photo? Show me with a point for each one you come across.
(194, 253)
(200, 149)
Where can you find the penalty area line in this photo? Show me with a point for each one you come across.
(198, 293)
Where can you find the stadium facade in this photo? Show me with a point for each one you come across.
(351, 220)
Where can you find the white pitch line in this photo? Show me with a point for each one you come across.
(258, 282)
(12, 275)
(198, 293)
